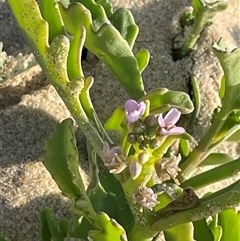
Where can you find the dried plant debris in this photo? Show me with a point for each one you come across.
(11, 66)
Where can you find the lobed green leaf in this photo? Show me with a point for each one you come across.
(49, 228)
(202, 231)
(108, 45)
(162, 100)
(230, 62)
(50, 12)
(180, 232)
(229, 220)
(109, 230)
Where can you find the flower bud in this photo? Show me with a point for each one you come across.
(143, 157)
(132, 138)
(135, 168)
(140, 138)
(139, 128)
(154, 143)
(143, 146)
(151, 121)
(152, 132)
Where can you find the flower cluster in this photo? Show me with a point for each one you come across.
(147, 132)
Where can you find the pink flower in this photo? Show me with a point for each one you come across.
(167, 124)
(134, 110)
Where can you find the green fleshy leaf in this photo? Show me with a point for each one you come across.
(64, 226)
(235, 137)
(61, 154)
(123, 21)
(162, 100)
(230, 62)
(203, 13)
(142, 57)
(229, 220)
(50, 12)
(106, 193)
(208, 9)
(227, 126)
(107, 7)
(32, 25)
(108, 45)
(184, 148)
(222, 87)
(61, 160)
(35, 30)
(216, 159)
(201, 231)
(2, 237)
(109, 230)
(97, 12)
(116, 119)
(74, 56)
(49, 228)
(217, 233)
(180, 232)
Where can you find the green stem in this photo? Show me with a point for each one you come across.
(197, 102)
(214, 175)
(140, 233)
(73, 104)
(141, 218)
(198, 27)
(195, 158)
(226, 136)
(209, 206)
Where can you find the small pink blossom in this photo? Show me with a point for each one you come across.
(167, 124)
(134, 110)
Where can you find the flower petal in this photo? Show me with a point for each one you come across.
(141, 107)
(133, 116)
(106, 147)
(131, 105)
(172, 117)
(177, 130)
(161, 121)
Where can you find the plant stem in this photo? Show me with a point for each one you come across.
(74, 106)
(209, 206)
(226, 136)
(195, 158)
(214, 175)
(140, 233)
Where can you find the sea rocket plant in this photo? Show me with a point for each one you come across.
(143, 190)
